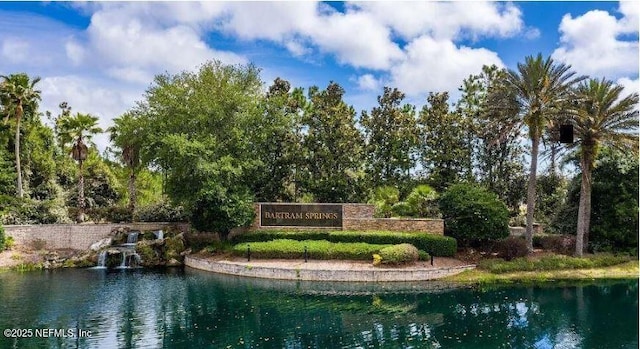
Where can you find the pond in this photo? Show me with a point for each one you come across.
(193, 309)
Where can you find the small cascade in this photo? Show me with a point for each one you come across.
(102, 259)
(132, 238)
(130, 259)
(159, 234)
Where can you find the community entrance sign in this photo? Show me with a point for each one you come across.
(300, 215)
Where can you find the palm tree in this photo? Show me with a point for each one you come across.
(16, 94)
(541, 88)
(126, 134)
(600, 116)
(76, 131)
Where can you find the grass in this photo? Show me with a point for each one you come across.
(550, 268)
(316, 249)
(551, 262)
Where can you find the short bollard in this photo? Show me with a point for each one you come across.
(306, 254)
(248, 253)
(431, 260)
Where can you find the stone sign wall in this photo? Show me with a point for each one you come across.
(336, 216)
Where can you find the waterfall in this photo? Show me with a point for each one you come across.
(102, 260)
(132, 237)
(159, 234)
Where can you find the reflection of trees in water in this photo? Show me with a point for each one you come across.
(191, 311)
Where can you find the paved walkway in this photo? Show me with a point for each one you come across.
(332, 270)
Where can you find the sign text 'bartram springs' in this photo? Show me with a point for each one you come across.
(300, 215)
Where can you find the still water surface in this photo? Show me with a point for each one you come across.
(193, 309)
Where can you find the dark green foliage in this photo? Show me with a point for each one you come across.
(399, 254)
(27, 211)
(391, 136)
(551, 192)
(162, 211)
(554, 262)
(472, 213)
(423, 256)
(384, 198)
(511, 247)
(198, 241)
(220, 212)
(2, 238)
(115, 214)
(614, 204)
(422, 202)
(436, 245)
(333, 147)
(316, 249)
(445, 155)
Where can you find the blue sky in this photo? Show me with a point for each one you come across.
(101, 56)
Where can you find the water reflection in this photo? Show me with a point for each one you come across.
(192, 309)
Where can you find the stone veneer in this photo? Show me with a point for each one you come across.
(77, 236)
(360, 217)
(301, 273)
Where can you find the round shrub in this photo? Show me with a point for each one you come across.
(511, 248)
(472, 213)
(399, 254)
(160, 212)
(423, 202)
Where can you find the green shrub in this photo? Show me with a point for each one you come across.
(160, 212)
(384, 198)
(399, 254)
(472, 213)
(555, 262)
(220, 212)
(27, 211)
(316, 249)
(436, 245)
(511, 247)
(423, 256)
(199, 241)
(423, 202)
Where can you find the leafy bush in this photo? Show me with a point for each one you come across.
(423, 202)
(27, 211)
(511, 247)
(316, 249)
(556, 262)
(199, 241)
(563, 244)
(115, 214)
(473, 213)
(436, 245)
(220, 212)
(399, 254)
(384, 198)
(160, 212)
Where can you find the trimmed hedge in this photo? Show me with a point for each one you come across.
(316, 249)
(435, 245)
(555, 262)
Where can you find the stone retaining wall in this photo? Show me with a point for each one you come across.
(375, 275)
(433, 226)
(76, 236)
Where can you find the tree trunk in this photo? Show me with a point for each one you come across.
(531, 191)
(132, 190)
(584, 208)
(81, 204)
(17, 150)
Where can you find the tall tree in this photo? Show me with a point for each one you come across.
(17, 94)
(75, 132)
(333, 147)
(542, 88)
(199, 128)
(602, 116)
(444, 154)
(497, 159)
(127, 134)
(391, 137)
(276, 142)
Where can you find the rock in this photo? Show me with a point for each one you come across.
(104, 243)
(173, 263)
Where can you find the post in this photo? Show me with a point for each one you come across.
(431, 260)
(248, 253)
(306, 254)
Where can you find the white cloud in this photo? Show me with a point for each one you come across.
(592, 43)
(368, 82)
(630, 86)
(439, 65)
(15, 51)
(446, 20)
